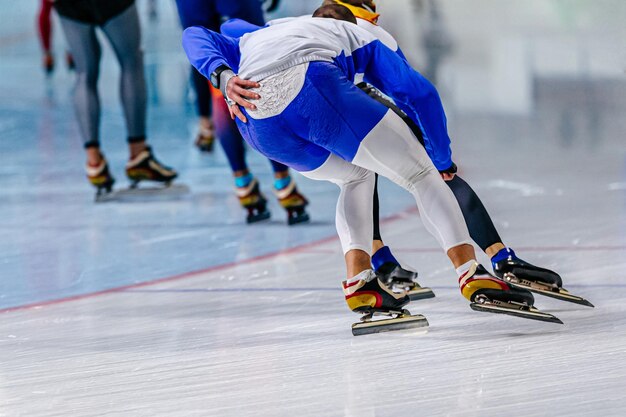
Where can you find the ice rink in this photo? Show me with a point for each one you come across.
(171, 305)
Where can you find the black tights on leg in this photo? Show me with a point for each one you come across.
(479, 223)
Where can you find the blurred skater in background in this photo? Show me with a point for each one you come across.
(44, 31)
(119, 22)
(210, 14)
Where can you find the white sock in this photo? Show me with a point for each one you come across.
(465, 267)
(366, 275)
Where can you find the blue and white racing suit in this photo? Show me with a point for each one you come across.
(313, 118)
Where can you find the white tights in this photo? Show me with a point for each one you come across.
(391, 150)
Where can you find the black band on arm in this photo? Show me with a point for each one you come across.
(451, 170)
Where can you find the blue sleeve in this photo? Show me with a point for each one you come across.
(414, 94)
(401, 54)
(207, 50)
(236, 28)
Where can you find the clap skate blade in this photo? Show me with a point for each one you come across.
(482, 303)
(104, 192)
(140, 193)
(399, 320)
(544, 289)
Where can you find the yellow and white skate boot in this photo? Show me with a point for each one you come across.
(253, 201)
(145, 167)
(291, 200)
(205, 139)
(365, 294)
(100, 177)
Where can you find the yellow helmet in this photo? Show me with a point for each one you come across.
(361, 12)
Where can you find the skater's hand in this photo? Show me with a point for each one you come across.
(237, 91)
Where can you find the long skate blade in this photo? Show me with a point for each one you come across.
(532, 313)
(105, 196)
(421, 293)
(139, 193)
(405, 322)
(562, 294)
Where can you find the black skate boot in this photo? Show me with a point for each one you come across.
(365, 294)
(521, 274)
(397, 278)
(253, 201)
(145, 167)
(100, 177)
(292, 201)
(493, 295)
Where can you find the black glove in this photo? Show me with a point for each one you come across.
(451, 170)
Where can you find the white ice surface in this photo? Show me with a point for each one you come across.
(268, 333)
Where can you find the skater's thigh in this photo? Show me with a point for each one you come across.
(339, 171)
(275, 140)
(391, 150)
(84, 46)
(332, 112)
(124, 33)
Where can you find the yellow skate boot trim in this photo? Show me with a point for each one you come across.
(358, 297)
(469, 285)
(98, 181)
(97, 175)
(479, 284)
(293, 201)
(358, 301)
(249, 200)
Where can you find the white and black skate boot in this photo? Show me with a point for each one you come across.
(493, 295)
(365, 294)
(205, 139)
(521, 274)
(255, 203)
(291, 200)
(397, 278)
(145, 167)
(100, 177)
